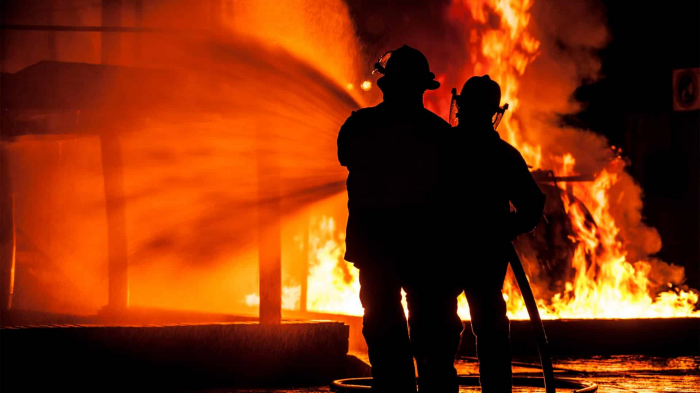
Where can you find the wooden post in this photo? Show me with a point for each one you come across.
(112, 168)
(7, 225)
(138, 22)
(304, 274)
(113, 171)
(111, 17)
(216, 10)
(7, 233)
(269, 233)
(53, 50)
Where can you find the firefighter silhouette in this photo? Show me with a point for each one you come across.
(392, 152)
(483, 222)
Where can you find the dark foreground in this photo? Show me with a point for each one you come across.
(613, 374)
(242, 356)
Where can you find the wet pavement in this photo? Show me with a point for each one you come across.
(613, 374)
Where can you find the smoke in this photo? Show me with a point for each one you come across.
(571, 32)
(200, 179)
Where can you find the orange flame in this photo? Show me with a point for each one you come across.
(606, 284)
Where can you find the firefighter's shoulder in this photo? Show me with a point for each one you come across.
(362, 115)
(509, 151)
(436, 120)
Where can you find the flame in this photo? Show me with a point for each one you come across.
(606, 282)
(334, 284)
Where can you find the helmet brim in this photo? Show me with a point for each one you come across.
(431, 84)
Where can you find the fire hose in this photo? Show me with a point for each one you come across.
(535, 320)
(550, 383)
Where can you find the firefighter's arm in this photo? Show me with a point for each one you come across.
(526, 197)
(347, 140)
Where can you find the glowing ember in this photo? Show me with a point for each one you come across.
(290, 298)
(366, 85)
(252, 300)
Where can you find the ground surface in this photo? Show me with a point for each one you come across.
(619, 374)
(613, 374)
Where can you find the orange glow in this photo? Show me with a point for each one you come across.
(290, 298)
(366, 85)
(191, 178)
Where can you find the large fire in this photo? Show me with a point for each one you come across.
(608, 282)
(273, 83)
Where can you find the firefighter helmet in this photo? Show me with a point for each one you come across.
(406, 65)
(479, 94)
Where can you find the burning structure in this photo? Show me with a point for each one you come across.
(154, 152)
